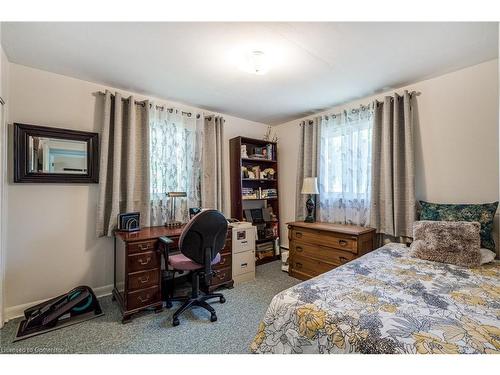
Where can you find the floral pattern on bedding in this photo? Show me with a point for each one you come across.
(387, 302)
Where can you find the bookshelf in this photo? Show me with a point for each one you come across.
(254, 187)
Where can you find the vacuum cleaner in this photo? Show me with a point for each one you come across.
(78, 305)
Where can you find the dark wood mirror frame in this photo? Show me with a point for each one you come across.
(22, 132)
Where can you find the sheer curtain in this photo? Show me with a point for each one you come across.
(345, 167)
(175, 159)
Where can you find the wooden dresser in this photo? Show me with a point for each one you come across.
(316, 248)
(138, 268)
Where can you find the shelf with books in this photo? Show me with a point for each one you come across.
(254, 160)
(259, 199)
(260, 179)
(254, 187)
(268, 239)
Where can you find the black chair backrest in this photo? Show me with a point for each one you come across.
(203, 237)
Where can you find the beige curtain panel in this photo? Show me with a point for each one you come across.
(307, 161)
(124, 171)
(393, 210)
(213, 169)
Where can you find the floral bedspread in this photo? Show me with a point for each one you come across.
(387, 302)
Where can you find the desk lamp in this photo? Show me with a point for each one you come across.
(171, 223)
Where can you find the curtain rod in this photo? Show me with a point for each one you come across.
(411, 93)
(159, 107)
(364, 107)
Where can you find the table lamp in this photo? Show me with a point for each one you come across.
(171, 223)
(310, 186)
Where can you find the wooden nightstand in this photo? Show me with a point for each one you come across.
(316, 248)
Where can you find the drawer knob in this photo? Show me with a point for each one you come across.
(343, 243)
(144, 247)
(343, 259)
(144, 279)
(144, 262)
(299, 248)
(142, 300)
(298, 265)
(298, 235)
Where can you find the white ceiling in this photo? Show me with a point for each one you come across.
(316, 65)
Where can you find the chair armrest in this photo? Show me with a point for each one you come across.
(166, 240)
(165, 243)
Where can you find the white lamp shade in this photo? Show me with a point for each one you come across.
(310, 185)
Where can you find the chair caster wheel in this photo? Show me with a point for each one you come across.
(213, 318)
(175, 322)
(168, 304)
(222, 300)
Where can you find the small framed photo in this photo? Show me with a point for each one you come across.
(129, 221)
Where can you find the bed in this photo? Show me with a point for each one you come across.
(387, 302)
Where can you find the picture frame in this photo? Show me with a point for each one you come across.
(129, 221)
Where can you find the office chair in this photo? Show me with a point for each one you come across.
(200, 243)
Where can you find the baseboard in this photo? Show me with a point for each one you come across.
(18, 311)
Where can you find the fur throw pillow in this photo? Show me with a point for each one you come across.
(454, 242)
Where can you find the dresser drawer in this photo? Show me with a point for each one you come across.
(221, 276)
(330, 239)
(328, 254)
(225, 261)
(140, 247)
(309, 266)
(143, 261)
(143, 279)
(143, 297)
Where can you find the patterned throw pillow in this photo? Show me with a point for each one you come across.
(482, 213)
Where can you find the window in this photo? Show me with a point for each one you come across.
(345, 167)
(175, 150)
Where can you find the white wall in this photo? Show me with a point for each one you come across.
(51, 245)
(456, 140)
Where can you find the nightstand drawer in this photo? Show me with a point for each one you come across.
(143, 279)
(143, 261)
(328, 254)
(143, 297)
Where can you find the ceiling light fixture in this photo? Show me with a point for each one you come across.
(255, 62)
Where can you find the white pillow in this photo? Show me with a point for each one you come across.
(487, 256)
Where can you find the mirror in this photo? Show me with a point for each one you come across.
(43, 154)
(52, 155)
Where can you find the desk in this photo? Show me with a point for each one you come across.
(138, 266)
